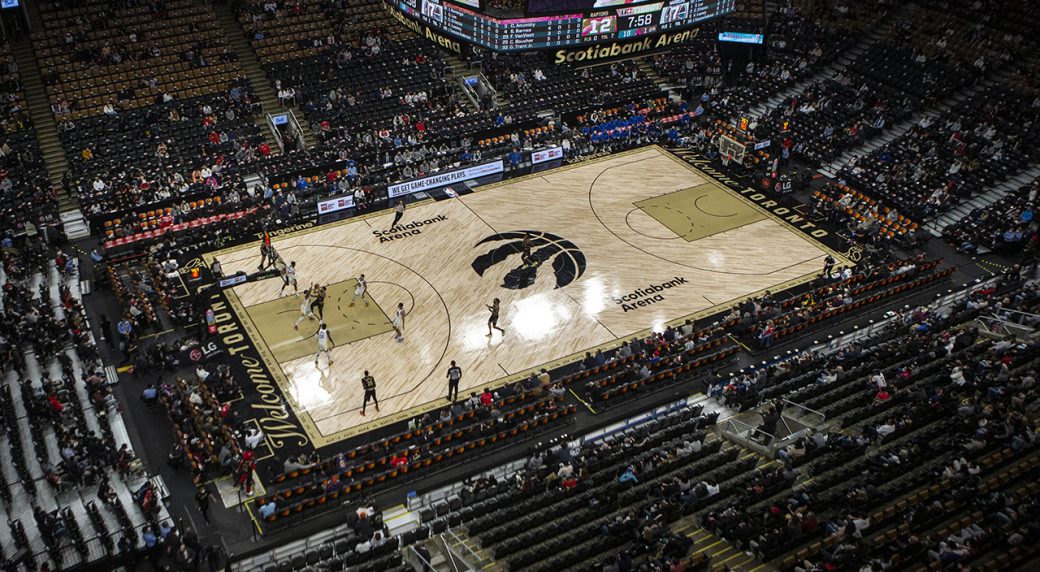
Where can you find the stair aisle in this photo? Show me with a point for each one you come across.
(42, 118)
(1009, 185)
(247, 59)
(453, 76)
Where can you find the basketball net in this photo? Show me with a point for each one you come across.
(726, 159)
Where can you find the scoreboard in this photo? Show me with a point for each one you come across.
(626, 21)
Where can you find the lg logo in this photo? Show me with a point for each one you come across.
(206, 350)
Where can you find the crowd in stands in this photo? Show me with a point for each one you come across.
(362, 543)
(926, 392)
(24, 187)
(449, 436)
(151, 104)
(59, 430)
(156, 117)
(1005, 226)
(867, 221)
(944, 160)
(604, 504)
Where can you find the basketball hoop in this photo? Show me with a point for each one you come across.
(730, 149)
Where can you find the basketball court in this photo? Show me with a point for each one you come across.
(620, 245)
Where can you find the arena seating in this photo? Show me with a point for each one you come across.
(433, 443)
(573, 508)
(164, 65)
(361, 543)
(67, 460)
(24, 182)
(928, 459)
(999, 227)
(868, 220)
(861, 503)
(942, 161)
(798, 48)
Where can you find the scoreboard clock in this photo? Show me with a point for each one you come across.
(591, 22)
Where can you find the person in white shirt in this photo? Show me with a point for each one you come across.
(289, 277)
(359, 291)
(398, 322)
(305, 309)
(878, 379)
(325, 343)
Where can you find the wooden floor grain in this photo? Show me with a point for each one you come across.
(629, 253)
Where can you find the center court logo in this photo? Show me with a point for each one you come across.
(568, 261)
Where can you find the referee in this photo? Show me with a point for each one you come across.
(454, 376)
(369, 384)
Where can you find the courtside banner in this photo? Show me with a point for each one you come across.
(336, 204)
(546, 155)
(442, 179)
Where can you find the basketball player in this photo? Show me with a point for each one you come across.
(289, 277)
(305, 309)
(493, 319)
(318, 299)
(359, 291)
(454, 376)
(325, 343)
(525, 252)
(369, 384)
(398, 322)
(398, 213)
(265, 255)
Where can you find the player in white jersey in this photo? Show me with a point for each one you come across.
(325, 343)
(305, 309)
(289, 277)
(359, 290)
(398, 322)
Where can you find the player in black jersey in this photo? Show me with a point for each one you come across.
(495, 307)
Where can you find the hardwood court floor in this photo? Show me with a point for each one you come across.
(639, 239)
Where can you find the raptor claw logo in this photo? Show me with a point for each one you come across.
(568, 262)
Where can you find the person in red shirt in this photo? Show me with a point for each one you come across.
(487, 398)
(264, 149)
(398, 460)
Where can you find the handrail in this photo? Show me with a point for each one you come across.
(1019, 312)
(424, 563)
(823, 417)
(751, 430)
(478, 562)
(299, 129)
(275, 132)
(1003, 321)
(941, 302)
(450, 554)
